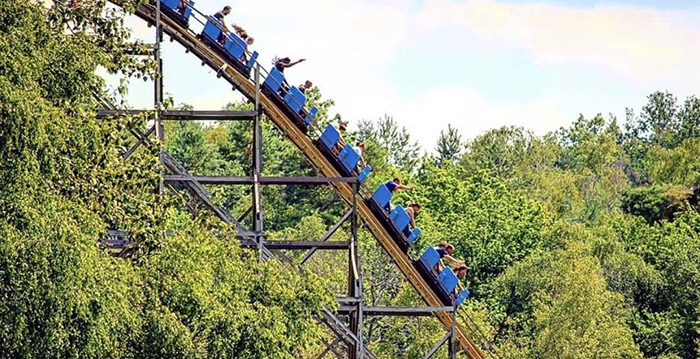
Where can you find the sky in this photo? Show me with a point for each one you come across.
(474, 64)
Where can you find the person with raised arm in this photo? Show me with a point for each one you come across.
(393, 186)
(280, 64)
(285, 62)
(445, 251)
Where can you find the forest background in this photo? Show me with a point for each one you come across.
(583, 243)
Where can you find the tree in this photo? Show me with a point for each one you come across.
(64, 183)
(656, 202)
(590, 144)
(557, 305)
(663, 122)
(449, 145)
(689, 118)
(395, 141)
(664, 323)
(501, 151)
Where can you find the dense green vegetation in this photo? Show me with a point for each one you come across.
(63, 184)
(583, 243)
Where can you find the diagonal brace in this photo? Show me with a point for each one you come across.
(438, 345)
(327, 235)
(142, 138)
(330, 347)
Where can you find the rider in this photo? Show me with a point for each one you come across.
(393, 186)
(220, 16)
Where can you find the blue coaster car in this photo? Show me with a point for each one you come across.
(401, 220)
(295, 99)
(429, 260)
(290, 100)
(233, 48)
(448, 281)
(346, 160)
(274, 81)
(382, 196)
(311, 116)
(464, 294)
(443, 283)
(395, 221)
(364, 173)
(169, 8)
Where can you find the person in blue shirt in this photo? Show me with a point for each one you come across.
(395, 185)
(445, 250)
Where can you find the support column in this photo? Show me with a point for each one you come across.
(158, 90)
(257, 167)
(355, 284)
(453, 332)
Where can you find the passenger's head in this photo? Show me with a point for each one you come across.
(442, 244)
(342, 126)
(308, 84)
(250, 41)
(286, 60)
(360, 144)
(461, 271)
(226, 10)
(449, 248)
(397, 180)
(415, 206)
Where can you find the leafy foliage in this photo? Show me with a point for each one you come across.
(64, 183)
(582, 243)
(394, 141)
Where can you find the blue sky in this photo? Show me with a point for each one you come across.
(475, 64)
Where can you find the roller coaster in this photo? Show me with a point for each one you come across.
(227, 55)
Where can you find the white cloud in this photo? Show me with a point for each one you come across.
(347, 46)
(643, 44)
(472, 114)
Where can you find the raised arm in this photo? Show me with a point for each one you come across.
(452, 260)
(295, 62)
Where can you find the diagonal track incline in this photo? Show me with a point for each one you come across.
(240, 82)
